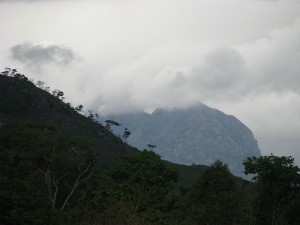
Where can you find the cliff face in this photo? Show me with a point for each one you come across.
(197, 135)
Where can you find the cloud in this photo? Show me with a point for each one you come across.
(15, 1)
(180, 74)
(39, 54)
(168, 79)
(240, 56)
(274, 61)
(219, 76)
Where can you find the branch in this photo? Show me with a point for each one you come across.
(78, 181)
(48, 180)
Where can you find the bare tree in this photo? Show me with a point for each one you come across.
(53, 181)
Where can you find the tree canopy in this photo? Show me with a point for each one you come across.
(278, 184)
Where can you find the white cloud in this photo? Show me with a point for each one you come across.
(241, 56)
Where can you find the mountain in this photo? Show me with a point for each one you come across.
(60, 167)
(196, 135)
(20, 99)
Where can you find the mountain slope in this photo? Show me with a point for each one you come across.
(21, 99)
(197, 135)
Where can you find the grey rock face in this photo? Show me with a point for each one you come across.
(197, 135)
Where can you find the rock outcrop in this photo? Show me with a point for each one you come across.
(196, 135)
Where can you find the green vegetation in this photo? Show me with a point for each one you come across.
(59, 167)
(278, 184)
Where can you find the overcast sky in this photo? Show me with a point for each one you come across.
(239, 56)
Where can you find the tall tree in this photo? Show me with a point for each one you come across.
(110, 123)
(214, 199)
(126, 134)
(278, 182)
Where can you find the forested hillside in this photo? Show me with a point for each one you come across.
(21, 99)
(59, 167)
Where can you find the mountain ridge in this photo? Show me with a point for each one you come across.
(20, 99)
(195, 135)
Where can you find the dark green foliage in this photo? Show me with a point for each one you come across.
(276, 174)
(278, 185)
(39, 166)
(144, 182)
(215, 199)
(59, 167)
(292, 215)
(21, 99)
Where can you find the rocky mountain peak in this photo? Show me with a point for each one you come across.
(195, 135)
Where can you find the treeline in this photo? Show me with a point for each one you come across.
(51, 176)
(26, 83)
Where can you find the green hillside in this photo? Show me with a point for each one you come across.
(58, 167)
(21, 99)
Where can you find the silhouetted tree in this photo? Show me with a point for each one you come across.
(126, 134)
(59, 94)
(9, 72)
(79, 108)
(151, 147)
(110, 123)
(40, 84)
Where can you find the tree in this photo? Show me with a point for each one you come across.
(53, 179)
(91, 115)
(9, 72)
(126, 134)
(151, 147)
(13, 73)
(47, 89)
(110, 123)
(59, 94)
(79, 108)
(41, 177)
(214, 198)
(40, 84)
(278, 182)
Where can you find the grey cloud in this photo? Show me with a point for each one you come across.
(223, 68)
(271, 0)
(220, 76)
(14, 1)
(273, 62)
(37, 54)
(217, 75)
